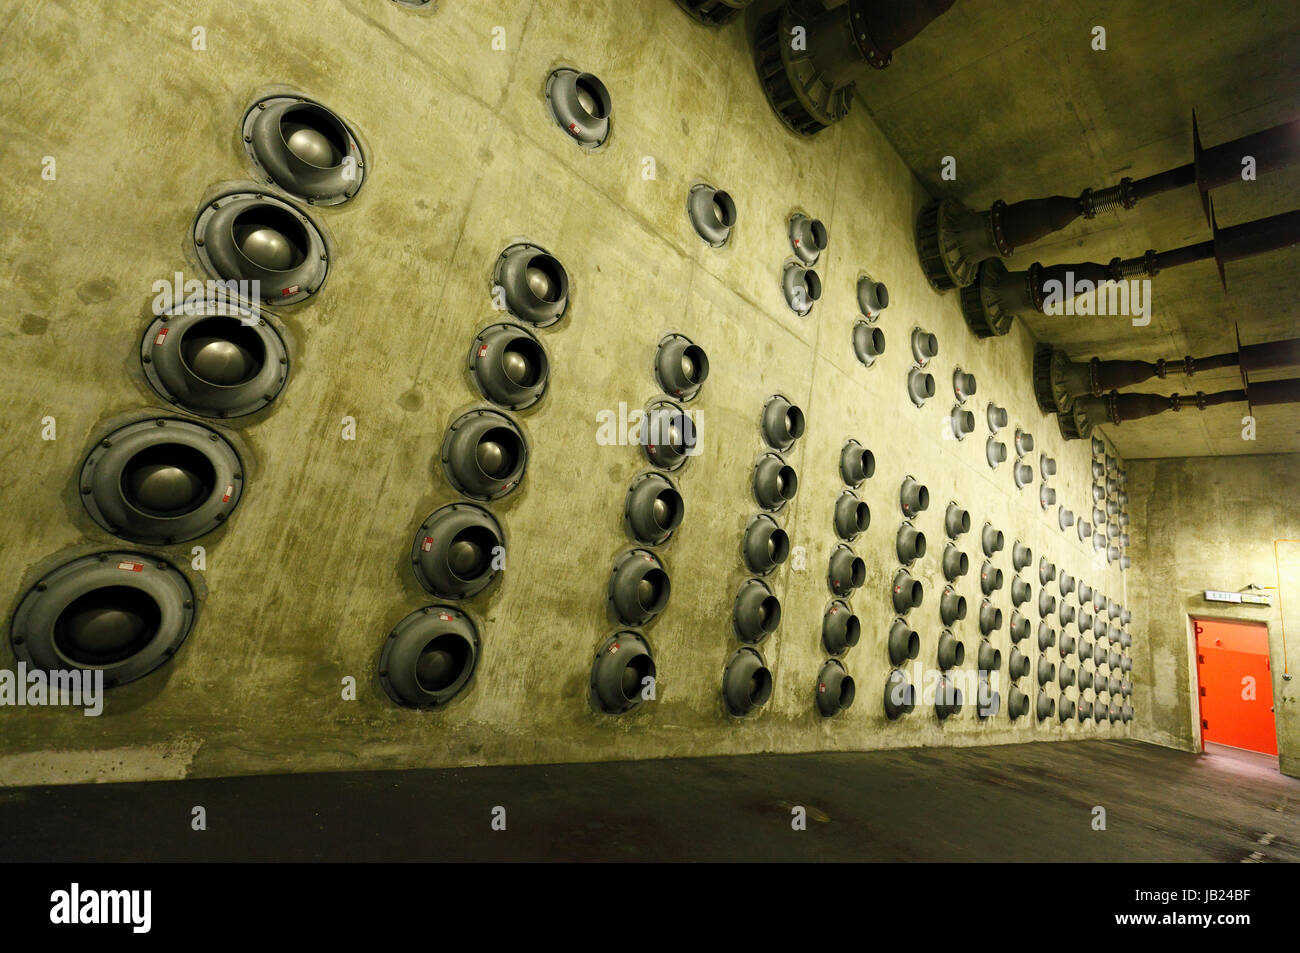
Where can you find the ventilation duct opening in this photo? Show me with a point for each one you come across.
(1067, 585)
(681, 366)
(1066, 712)
(161, 481)
(1046, 571)
(910, 544)
(653, 509)
(963, 385)
(1084, 529)
(623, 669)
(775, 482)
(124, 613)
(1085, 622)
(765, 546)
(668, 436)
(509, 366)
(1046, 465)
(904, 643)
(996, 417)
(1085, 676)
(1085, 710)
(952, 607)
(1065, 613)
(906, 591)
(712, 213)
(1019, 627)
(1065, 518)
(852, 516)
(857, 463)
(951, 651)
(1046, 706)
(1018, 664)
(249, 236)
(1021, 591)
(1021, 555)
(835, 688)
(920, 386)
(847, 571)
(1065, 677)
(924, 346)
(801, 287)
(1017, 703)
(746, 682)
(956, 521)
(457, 551)
(947, 699)
(1046, 497)
(220, 359)
(990, 578)
(638, 587)
(429, 657)
(989, 702)
(955, 563)
(962, 422)
(841, 628)
(990, 618)
(808, 238)
(914, 497)
(1023, 474)
(995, 452)
(900, 695)
(782, 423)
(1046, 603)
(532, 284)
(580, 105)
(1100, 711)
(1047, 638)
(756, 612)
(873, 297)
(304, 148)
(868, 342)
(1098, 601)
(989, 659)
(484, 455)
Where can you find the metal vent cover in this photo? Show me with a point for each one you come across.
(533, 285)
(509, 365)
(304, 148)
(429, 657)
(484, 454)
(581, 105)
(619, 672)
(456, 549)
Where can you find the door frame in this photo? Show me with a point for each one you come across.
(1195, 673)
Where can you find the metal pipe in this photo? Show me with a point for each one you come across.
(1115, 408)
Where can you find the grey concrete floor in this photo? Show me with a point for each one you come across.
(1029, 802)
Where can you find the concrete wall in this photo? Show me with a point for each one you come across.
(1210, 524)
(311, 572)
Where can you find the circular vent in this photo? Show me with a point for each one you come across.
(304, 148)
(484, 454)
(580, 105)
(622, 673)
(509, 366)
(458, 551)
(429, 657)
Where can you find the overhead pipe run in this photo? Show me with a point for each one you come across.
(1059, 382)
(953, 240)
(998, 296)
(1115, 408)
(841, 628)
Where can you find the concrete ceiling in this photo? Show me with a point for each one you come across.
(1016, 94)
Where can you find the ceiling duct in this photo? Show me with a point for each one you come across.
(810, 84)
(1115, 408)
(122, 613)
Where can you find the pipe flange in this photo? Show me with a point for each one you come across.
(801, 97)
(621, 673)
(765, 545)
(581, 105)
(852, 516)
(161, 481)
(215, 358)
(712, 213)
(900, 695)
(667, 435)
(801, 286)
(981, 301)
(846, 571)
(429, 657)
(458, 551)
(509, 366)
(653, 509)
(857, 463)
(835, 688)
(305, 148)
(531, 284)
(746, 682)
(939, 247)
(756, 612)
(484, 455)
(122, 613)
(841, 628)
(868, 342)
(808, 238)
(775, 482)
(681, 367)
(275, 252)
(638, 587)
(873, 297)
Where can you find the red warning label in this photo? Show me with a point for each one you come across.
(162, 336)
(230, 489)
(131, 567)
(427, 545)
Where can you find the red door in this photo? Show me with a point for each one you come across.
(1235, 684)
